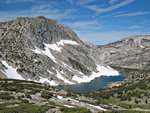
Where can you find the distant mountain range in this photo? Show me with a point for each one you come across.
(132, 52)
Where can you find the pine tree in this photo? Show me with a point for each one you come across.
(136, 101)
(146, 102)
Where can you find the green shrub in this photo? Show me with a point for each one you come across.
(27, 95)
(34, 91)
(25, 108)
(19, 98)
(68, 93)
(146, 102)
(74, 110)
(136, 101)
(24, 101)
(123, 111)
(46, 95)
(6, 96)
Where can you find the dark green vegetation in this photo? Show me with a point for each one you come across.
(6, 96)
(46, 95)
(124, 111)
(133, 93)
(24, 108)
(74, 110)
(21, 86)
(18, 96)
(134, 74)
(15, 96)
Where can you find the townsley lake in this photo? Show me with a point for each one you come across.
(95, 84)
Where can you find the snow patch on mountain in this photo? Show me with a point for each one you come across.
(59, 76)
(58, 45)
(112, 51)
(44, 52)
(54, 47)
(97, 107)
(62, 42)
(49, 71)
(45, 80)
(106, 71)
(11, 72)
(69, 106)
(142, 46)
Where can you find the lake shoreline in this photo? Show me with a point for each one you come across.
(97, 83)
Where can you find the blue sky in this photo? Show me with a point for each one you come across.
(95, 21)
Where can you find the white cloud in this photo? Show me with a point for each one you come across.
(50, 9)
(112, 1)
(101, 38)
(83, 2)
(132, 14)
(135, 27)
(112, 14)
(102, 10)
(46, 10)
(84, 25)
(71, 1)
(19, 1)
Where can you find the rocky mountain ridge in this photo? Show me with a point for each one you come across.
(42, 50)
(132, 52)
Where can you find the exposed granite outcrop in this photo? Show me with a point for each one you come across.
(132, 52)
(41, 49)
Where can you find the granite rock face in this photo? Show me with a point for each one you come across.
(132, 52)
(40, 49)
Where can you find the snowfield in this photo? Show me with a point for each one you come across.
(69, 106)
(11, 72)
(56, 47)
(97, 107)
(43, 80)
(45, 52)
(106, 71)
(59, 76)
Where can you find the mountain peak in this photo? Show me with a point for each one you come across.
(38, 17)
(40, 49)
(41, 17)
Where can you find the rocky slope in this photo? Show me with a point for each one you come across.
(132, 52)
(30, 97)
(40, 49)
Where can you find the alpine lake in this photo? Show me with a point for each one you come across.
(97, 83)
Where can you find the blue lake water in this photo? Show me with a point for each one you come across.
(95, 84)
